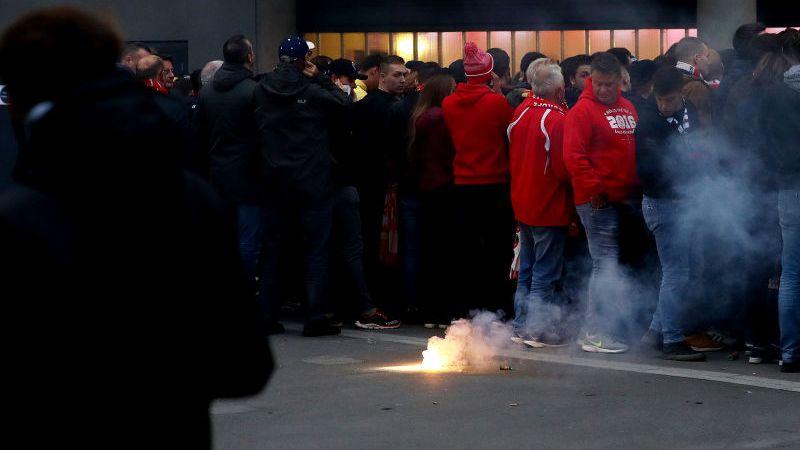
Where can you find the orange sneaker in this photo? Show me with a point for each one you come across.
(701, 342)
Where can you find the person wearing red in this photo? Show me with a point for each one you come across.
(542, 202)
(149, 69)
(477, 119)
(599, 153)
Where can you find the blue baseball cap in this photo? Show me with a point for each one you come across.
(293, 48)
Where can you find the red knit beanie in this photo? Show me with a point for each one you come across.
(478, 64)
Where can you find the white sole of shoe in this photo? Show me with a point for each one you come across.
(517, 340)
(430, 326)
(537, 344)
(372, 326)
(593, 349)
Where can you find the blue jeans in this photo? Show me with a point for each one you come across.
(541, 256)
(672, 232)
(315, 223)
(250, 229)
(789, 294)
(607, 300)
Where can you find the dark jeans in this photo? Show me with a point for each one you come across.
(349, 247)
(409, 210)
(789, 297)
(315, 224)
(437, 256)
(484, 233)
(250, 232)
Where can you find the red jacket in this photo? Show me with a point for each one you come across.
(540, 190)
(599, 148)
(477, 119)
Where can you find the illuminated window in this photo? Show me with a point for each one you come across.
(625, 39)
(649, 44)
(501, 39)
(574, 43)
(403, 45)
(479, 38)
(524, 42)
(672, 36)
(550, 44)
(599, 41)
(692, 32)
(428, 47)
(312, 37)
(330, 45)
(377, 43)
(452, 47)
(354, 46)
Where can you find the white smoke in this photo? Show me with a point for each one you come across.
(469, 344)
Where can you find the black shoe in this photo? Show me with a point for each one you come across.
(377, 320)
(320, 329)
(764, 355)
(653, 339)
(274, 327)
(790, 367)
(679, 351)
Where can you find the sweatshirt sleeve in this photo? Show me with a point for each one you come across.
(577, 135)
(700, 96)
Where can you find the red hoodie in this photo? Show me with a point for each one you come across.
(599, 148)
(540, 190)
(477, 119)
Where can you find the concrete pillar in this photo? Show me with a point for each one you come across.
(717, 20)
(275, 19)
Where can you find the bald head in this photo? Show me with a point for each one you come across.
(149, 66)
(208, 72)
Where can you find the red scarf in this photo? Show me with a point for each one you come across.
(156, 86)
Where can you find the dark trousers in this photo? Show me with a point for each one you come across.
(349, 250)
(315, 229)
(437, 255)
(484, 230)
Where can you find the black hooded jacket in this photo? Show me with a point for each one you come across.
(121, 280)
(293, 116)
(225, 120)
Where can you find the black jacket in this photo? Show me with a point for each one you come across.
(225, 120)
(293, 115)
(779, 119)
(373, 141)
(120, 277)
(663, 155)
(398, 164)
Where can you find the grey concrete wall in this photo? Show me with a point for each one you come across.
(717, 20)
(205, 24)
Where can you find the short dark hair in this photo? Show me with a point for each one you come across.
(414, 65)
(133, 47)
(457, 69)
(194, 78)
(642, 72)
(760, 46)
(322, 62)
(622, 54)
(427, 70)
(607, 63)
(167, 58)
(236, 49)
(502, 62)
(528, 58)
(373, 60)
(391, 60)
(744, 34)
(569, 67)
(789, 41)
(667, 80)
(46, 38)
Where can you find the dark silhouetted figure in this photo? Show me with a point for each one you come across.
(119, 272)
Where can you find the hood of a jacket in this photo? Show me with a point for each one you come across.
(588, 93)
(792, 78)
(285, 81)
(467, 94)
(229, 75)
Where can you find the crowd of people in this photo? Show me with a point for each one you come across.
(595, 199)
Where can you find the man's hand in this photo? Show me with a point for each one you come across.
(599, 201)
(311, 70)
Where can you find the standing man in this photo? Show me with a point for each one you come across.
(542, 202)
(225, 121)
(168, 72)
(599, 152)
(693, 61)
(293, 107)
(664, 147)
